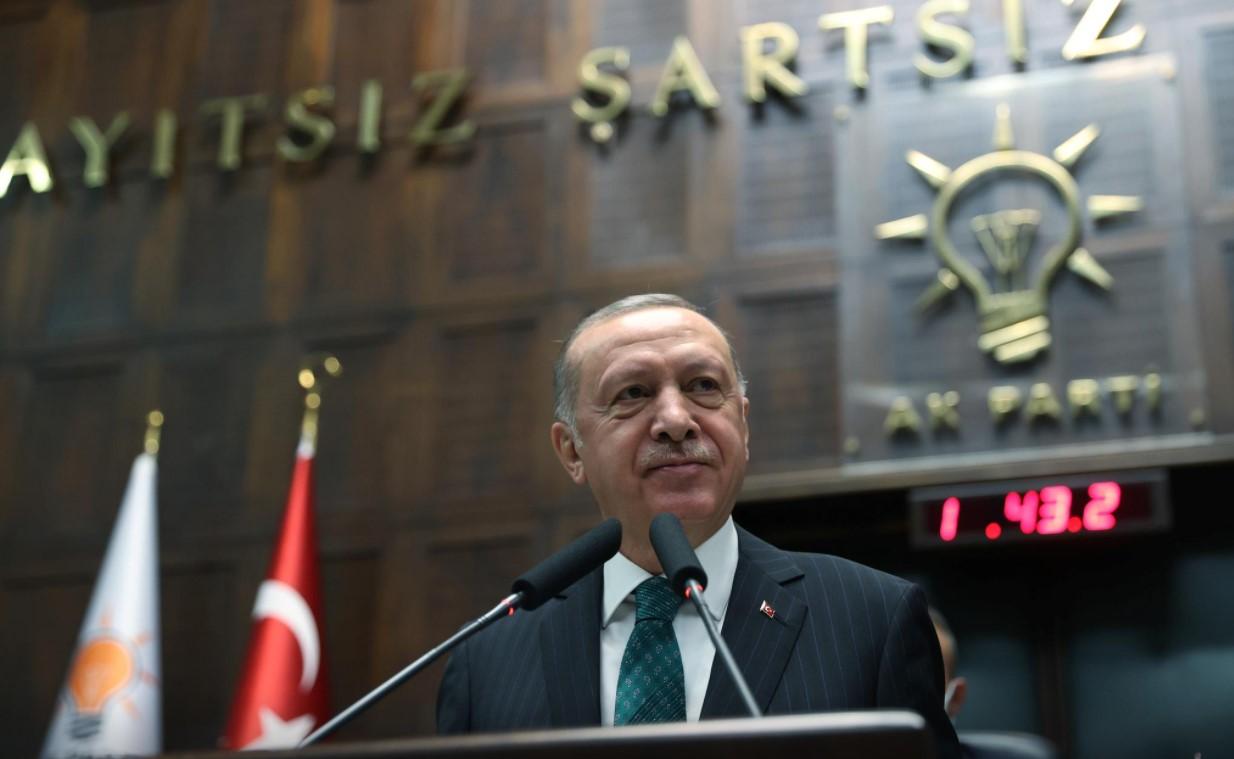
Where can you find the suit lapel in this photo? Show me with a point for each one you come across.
(760, 643)
(570, 648)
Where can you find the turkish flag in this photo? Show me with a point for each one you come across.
(282, 695)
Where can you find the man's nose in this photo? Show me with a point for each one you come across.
(673, 419)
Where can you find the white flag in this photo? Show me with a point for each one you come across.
(111, 703)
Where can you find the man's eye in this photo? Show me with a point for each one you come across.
(705, 385)
(632, 393)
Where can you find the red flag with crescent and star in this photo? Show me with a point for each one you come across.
(282, 695)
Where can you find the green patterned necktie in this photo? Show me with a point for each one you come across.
(651, 686)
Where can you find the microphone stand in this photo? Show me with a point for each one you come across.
(505, 608)
(694, 592)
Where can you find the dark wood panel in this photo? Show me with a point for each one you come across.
(275, 410)
(476, 567)
(94, 249)
(386, 40)
(221, 251)
(380, 235)
(785, 204)
(27, 257)
(360, 445)
(637, 215)
(506, 41)
(23, 10)
(349, 595)
(791, 361)
(205, 393)
(16, 61)
(400, 634)
(488, 216)
(71, 472)
(14, 388)
(247, 48)
(38, 618)
(484, 439)
(125, 61)
(202, 636)
(431, 581)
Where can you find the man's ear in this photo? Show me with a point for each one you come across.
(959, 692)
(567, 452)
(745, 420)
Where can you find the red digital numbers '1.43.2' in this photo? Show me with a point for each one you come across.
(1025, 510)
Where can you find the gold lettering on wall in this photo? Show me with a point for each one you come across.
(97, 145)
(1086, 40)
(448, 86)
(368, 137)
(1042, 404)
(1152, 391)
(232, 111)
(1122, 390)
(1015, 32)
(28, 159)
(856, 25)
(944, 409)
(317, 128)
(1003, 401)
(614, 89)
(769, 52)
(902, 417)
(1084, 395)
(957, 40)
(683, 72)
(163, 157)
(760, 69)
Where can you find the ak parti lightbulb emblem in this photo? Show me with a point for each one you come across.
(1014, 324)
(103, 668)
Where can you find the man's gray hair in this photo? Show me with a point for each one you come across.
(566, 373)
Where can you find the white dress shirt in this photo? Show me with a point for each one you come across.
(718, 555)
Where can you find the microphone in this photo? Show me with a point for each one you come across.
(686, 576)
(677, 558)
(530, 591)
(567, 566)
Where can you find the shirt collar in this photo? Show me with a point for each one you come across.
(718, 555)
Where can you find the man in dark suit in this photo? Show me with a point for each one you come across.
(651, 415)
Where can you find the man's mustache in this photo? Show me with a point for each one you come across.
(689, 451)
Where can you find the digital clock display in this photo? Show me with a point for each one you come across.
(1039, 510)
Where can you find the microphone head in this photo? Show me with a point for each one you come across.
(677, 557)
(569, 565)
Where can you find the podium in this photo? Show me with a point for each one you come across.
(838, 735)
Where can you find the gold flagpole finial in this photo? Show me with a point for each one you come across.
(315, 370)
(154, 430)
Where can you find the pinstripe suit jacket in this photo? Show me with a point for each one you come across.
(844, 636)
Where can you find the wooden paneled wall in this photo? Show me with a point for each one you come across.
(444, 278)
